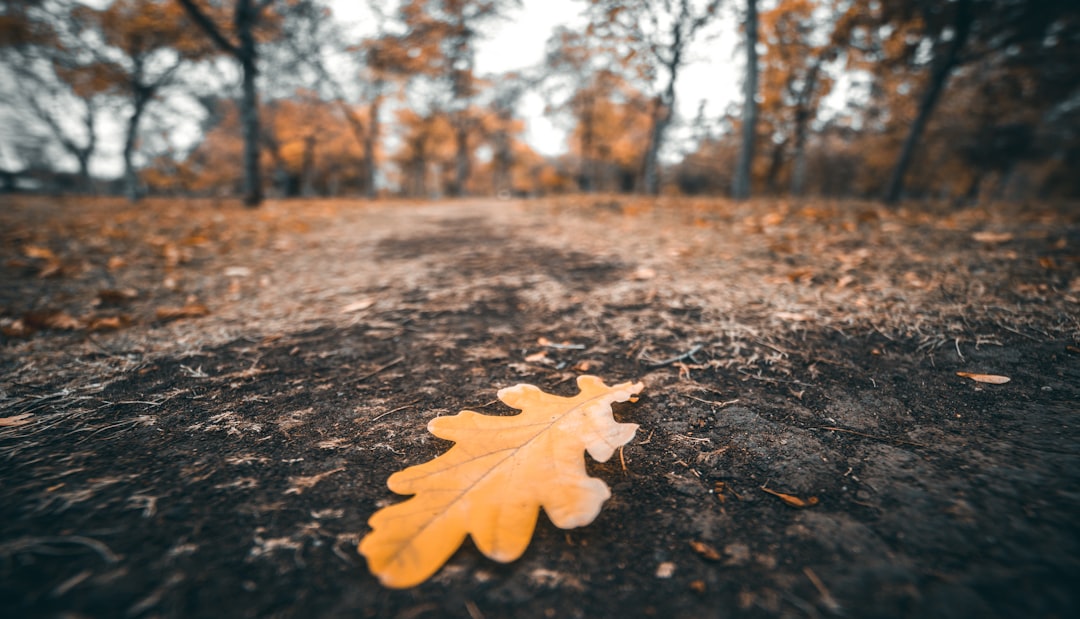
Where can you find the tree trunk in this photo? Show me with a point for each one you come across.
(461, 157)
(776, 161)
(941, 70)
(802, 120)
(245, 17)
(131, 178)
(741, 188)
(370, 140)
(587, 182)
(650, 174)
(307, 168)
(799, 162)
(249, 117)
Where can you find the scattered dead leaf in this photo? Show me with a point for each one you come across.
(538, 357)
(39, 253)
(237, 272)
(357, 306)
(191, 310)
(52, 319)
(791, 499)
(15, 328)
(302, 483)
(587, 365)
(108, 323)
(990, 379)
(992, 238)
(793, 316)
(118, 295)
(493, 482)
(705, 551)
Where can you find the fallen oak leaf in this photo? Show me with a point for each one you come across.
(791, 499)
(493, 481)
(990, 379)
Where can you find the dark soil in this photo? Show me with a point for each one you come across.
(226, 465)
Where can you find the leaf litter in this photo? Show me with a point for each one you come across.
(721, 284)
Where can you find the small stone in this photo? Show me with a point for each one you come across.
(665, 570)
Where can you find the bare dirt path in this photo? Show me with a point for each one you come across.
(210, 400)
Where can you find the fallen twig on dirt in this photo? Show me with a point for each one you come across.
(827, 600)
(45, 545)
(710, 402)
(393, 410)
(683, 357)
(885, 439)
(379, 369)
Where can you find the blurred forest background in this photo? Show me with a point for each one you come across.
(958, 100)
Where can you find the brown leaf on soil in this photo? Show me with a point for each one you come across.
(705, 551)
(118, 295)
(492, 483)
(52, 319)
(302, 483)
(791, 499)
(16, 420)
(15, 328)
(992, 237)
(357, 306)
(538, 357)
(41, 253)
(990, 379)
(108, 323)
(191, 310)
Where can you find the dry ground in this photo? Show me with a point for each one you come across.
(200, 404)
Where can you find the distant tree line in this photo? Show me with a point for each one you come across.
(891, 99)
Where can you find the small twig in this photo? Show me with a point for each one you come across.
(29, 543)
(380, 369)
(771, 347)
(1011, 330)
(686, 355)
(555, 346)
(827, 600)
(393, 410)
(710, 402)
(876, 438)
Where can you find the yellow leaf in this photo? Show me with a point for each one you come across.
(992, 379)
(491, 484)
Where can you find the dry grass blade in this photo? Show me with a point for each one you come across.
(989, 379)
